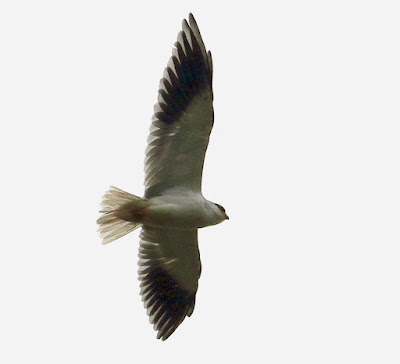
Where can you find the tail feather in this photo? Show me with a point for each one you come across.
(114, 207)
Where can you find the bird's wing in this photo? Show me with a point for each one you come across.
(169, 269)
(183, 117)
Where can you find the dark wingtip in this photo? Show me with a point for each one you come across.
(166, 301)
(193, 72)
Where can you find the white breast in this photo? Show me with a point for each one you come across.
(182, 212)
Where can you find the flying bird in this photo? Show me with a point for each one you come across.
(173, 207)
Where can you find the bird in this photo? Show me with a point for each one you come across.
(173, 207)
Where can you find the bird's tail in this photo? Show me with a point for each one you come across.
(120, 214)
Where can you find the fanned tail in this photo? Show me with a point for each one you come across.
(117, 219)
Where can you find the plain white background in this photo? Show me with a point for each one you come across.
(304, 156)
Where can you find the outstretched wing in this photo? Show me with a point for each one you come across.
(183, 117)
(169, 269)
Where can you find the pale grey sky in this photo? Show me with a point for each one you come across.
(304, 156)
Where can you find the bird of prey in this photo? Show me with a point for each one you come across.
(173, 207)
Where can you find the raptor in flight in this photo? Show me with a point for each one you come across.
(173, 207)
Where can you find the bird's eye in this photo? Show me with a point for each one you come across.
(221, 208)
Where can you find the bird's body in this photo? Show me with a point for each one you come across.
(173, 207)
(184, 211)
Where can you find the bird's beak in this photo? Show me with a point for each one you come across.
(226, 217)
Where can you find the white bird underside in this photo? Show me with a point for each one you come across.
(173, 206)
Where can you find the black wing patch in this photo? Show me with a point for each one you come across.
(164, 256)
(189, 72)
(168, 304)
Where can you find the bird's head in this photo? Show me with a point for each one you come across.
(222, 212)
